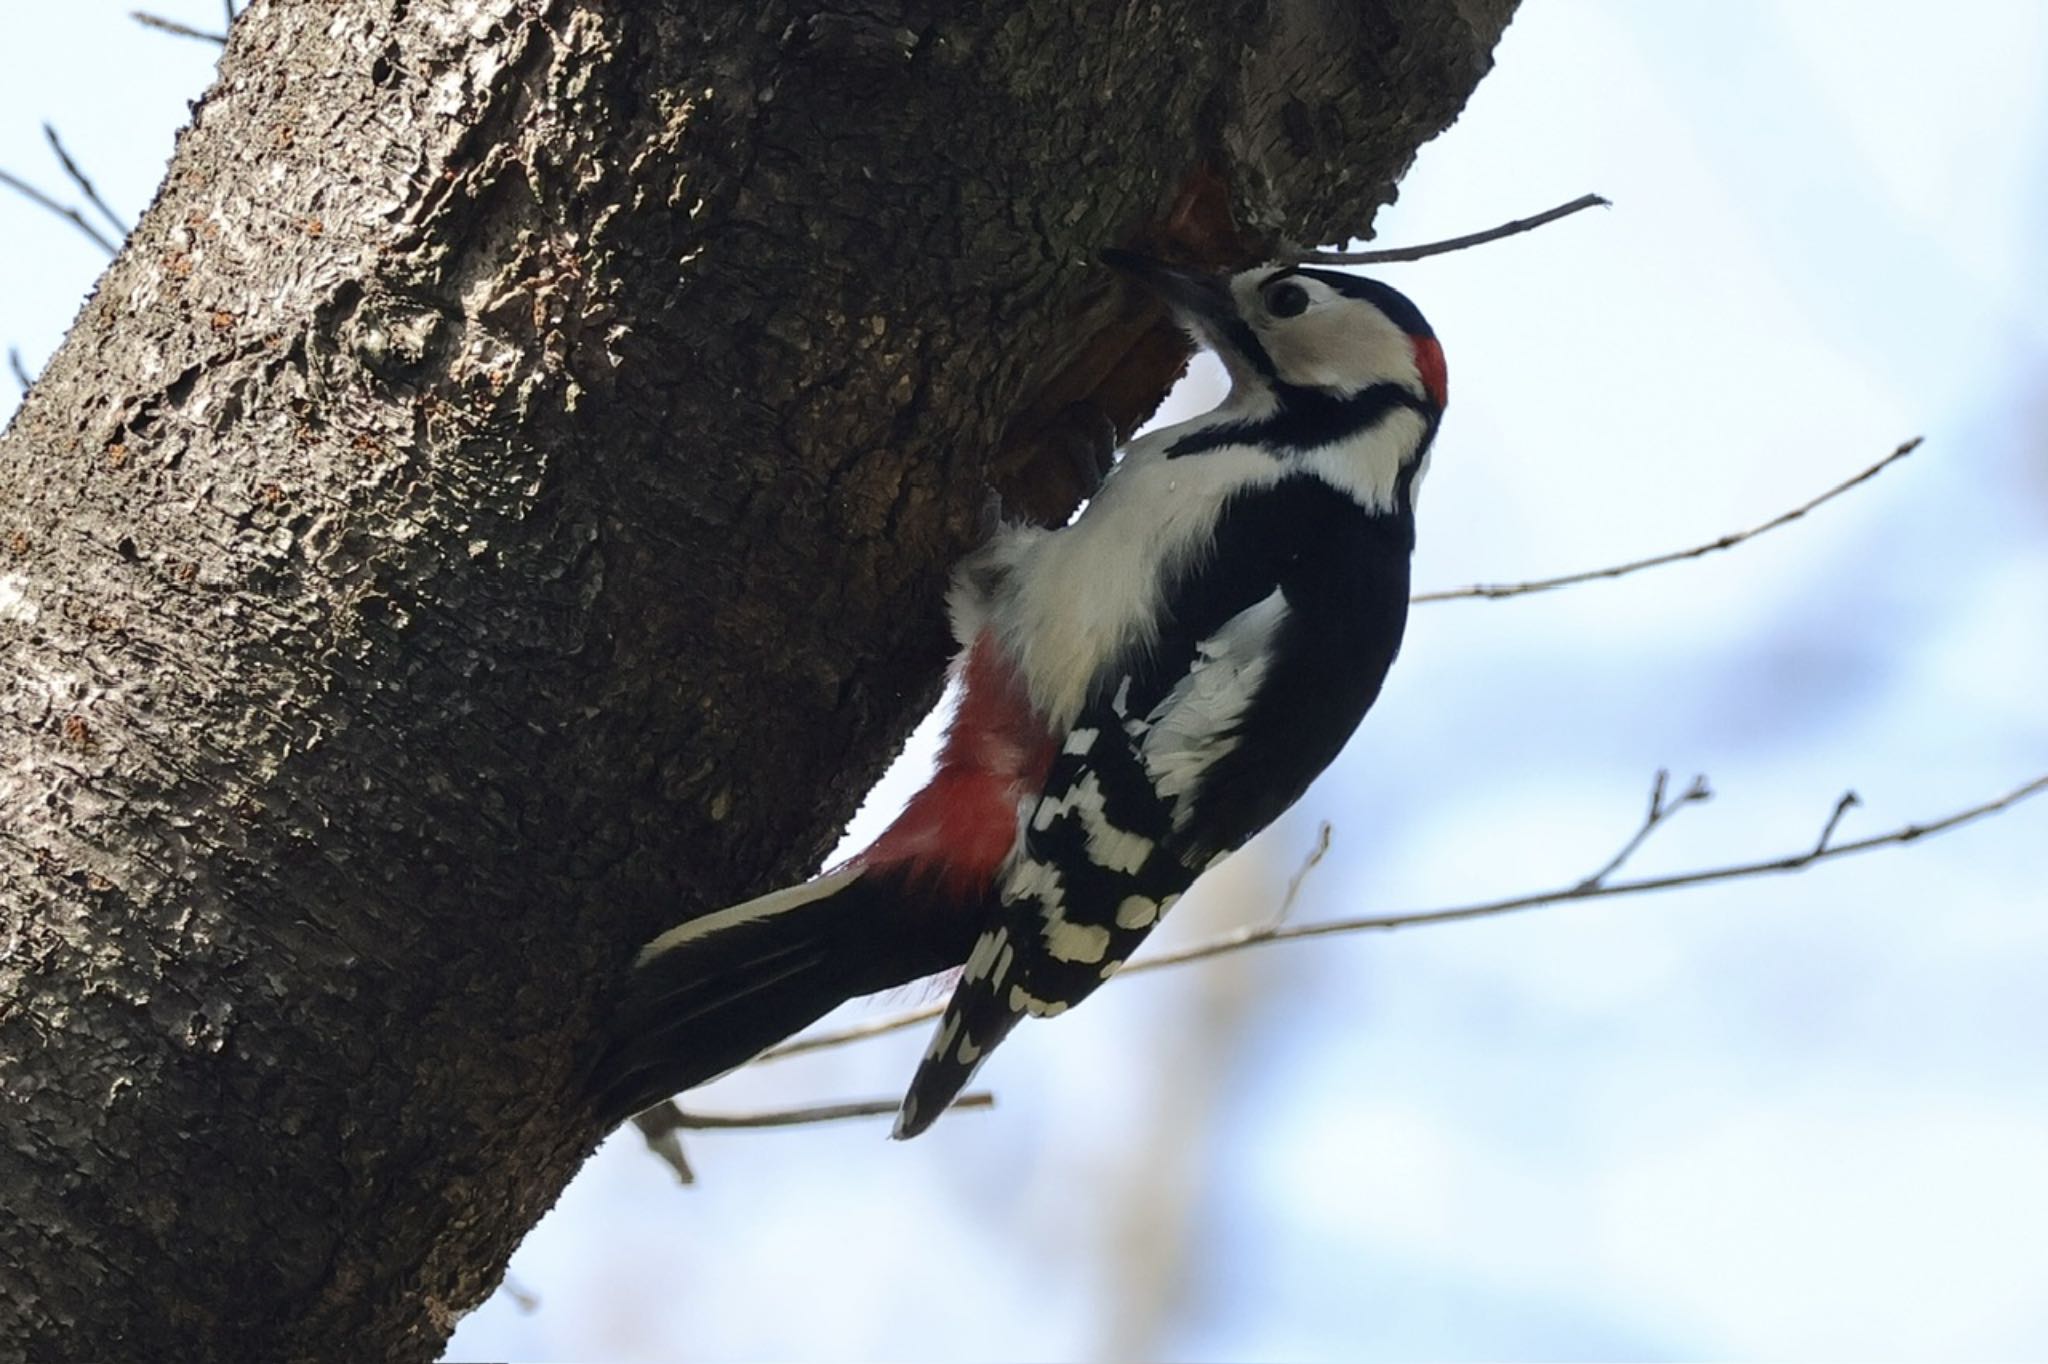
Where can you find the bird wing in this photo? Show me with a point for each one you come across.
(1270, 650)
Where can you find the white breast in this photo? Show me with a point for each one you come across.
(1079, 597)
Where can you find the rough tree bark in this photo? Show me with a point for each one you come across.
(501, 496)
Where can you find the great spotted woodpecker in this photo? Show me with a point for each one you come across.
(1140, 693)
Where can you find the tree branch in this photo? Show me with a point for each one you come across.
(662, 1124)
(67, 213)
(85, 186)
(1659, 812)
(1314, 859)
(1392, 254)
(1497, 590)
(1847, 803)
(659, 1126)
(1587, 889)
(172, 26)
(21, 374)
(814, 1113)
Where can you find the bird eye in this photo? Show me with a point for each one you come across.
(1286, 300)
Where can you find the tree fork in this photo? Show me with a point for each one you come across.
(499, 498)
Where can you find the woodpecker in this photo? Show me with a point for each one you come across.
(1140, 692)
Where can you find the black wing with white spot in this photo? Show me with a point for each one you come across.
(1274, 647)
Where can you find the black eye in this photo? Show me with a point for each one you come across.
(1286, 300)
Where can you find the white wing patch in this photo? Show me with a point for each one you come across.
(1086, 944)
(1195, 725)
(1108, 846)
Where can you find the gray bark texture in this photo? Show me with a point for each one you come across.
(499, 501)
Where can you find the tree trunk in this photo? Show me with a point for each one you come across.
(500, 499)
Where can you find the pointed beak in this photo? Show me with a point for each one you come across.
(1196, 296)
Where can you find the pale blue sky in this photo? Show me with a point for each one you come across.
(1795, 1119)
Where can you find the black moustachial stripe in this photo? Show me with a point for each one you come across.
(1306, 419)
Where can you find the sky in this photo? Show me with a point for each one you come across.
(1796, 1118)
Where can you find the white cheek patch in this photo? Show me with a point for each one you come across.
(1341, 345)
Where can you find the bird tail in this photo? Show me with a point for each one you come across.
(715, 991)
(984, 1008)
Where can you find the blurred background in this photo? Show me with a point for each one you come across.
(1797, 1118)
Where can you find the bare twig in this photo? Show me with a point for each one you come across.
(1308, 864)
(860, 1032)
(21, 374)
(64, 211)
(1738, 871)
(228, 7)
(659, 1125)
(1659, 812)
(1848, 802)
(1495, 590)
(815, 1113)
(524, 1298)
(92, 196)
(1256, 935)
(163, 25)
(1387, 255)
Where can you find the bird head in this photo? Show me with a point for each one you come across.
(1295, 330)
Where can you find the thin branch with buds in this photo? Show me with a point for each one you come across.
(1589, 888)
(1660, 810)
(1848, 802)
(1494, 591)
(1314, 859)
(1393, 254)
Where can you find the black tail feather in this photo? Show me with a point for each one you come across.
(970, 1030)
(694, 1009)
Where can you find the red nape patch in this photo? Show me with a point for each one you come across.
(1429, 362)
(959, 828)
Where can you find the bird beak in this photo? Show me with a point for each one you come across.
(1198, 298)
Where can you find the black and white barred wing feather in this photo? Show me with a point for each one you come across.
(1114, 840)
